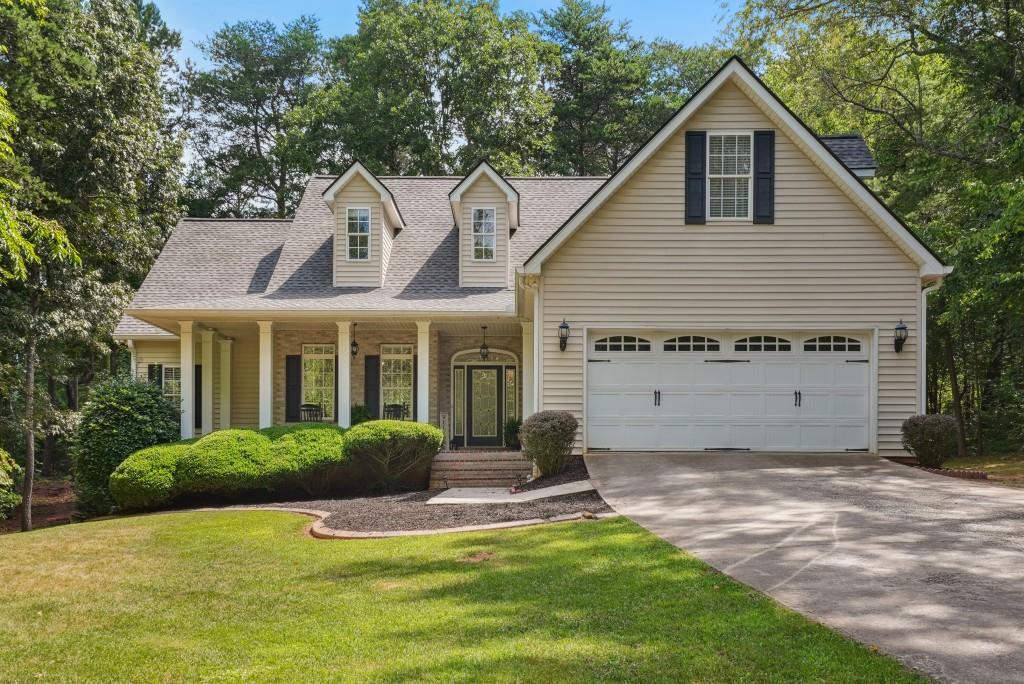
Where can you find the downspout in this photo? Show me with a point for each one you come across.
(134, 359)
(922, 355)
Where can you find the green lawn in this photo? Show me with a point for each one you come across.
(1006, 469)
(245, 596)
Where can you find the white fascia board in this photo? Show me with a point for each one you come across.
(386, 198)
(734, 69)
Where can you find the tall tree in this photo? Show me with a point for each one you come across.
(611, 91)
(250, 156)
(94, 156)
(433, 86)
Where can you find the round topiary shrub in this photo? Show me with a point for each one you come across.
(146, 479)
(393, 453)
(10, 483)
(547, 438)
(227, 461)
(311, 457)
(120, 417)
(932, 439)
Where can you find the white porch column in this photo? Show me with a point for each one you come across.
(134, 365)
(423, 371)
(188, 377)
(266, 374)
(344, 407)
(527, 372)
(207, 361)
(225, 383)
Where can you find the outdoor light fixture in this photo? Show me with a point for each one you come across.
(484, 349)
(355, 345)
(563, 335)
(899, 336)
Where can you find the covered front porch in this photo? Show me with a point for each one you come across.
(467, 376)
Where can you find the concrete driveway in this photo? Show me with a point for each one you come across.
(930, 569)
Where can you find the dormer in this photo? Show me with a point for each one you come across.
(366, 221)
(486, 211)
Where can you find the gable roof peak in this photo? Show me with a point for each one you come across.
(484, 168)
(357, 168)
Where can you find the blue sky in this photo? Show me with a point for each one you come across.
(683, 21)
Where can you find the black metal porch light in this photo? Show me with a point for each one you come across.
(563, 335)
(485, 351)
(354, 347)
(899, 336)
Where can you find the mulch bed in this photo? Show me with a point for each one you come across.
(53, 502)
(409, 511)
(575, 471)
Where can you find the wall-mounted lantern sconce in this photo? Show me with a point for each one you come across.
(354, 347)
(563, 335)
(899, 336)
(485, 351)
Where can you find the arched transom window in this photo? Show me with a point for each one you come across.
(692, 343)
(622, 343)
(832, 343)
(763, 343)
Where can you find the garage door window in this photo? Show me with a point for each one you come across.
(622, 343)
(763, 343)
(832, 343)
(692, 343)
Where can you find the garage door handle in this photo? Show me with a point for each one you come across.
(799, 398)
(796, 398)
(726, 360)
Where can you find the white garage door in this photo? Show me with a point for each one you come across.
(772, 392)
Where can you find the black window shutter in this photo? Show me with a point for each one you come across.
(764, 176)
(197, 409)
(415, 372)
(156, 374)
(337, 409)
(371, 385)
(696, 178)
(292, 387)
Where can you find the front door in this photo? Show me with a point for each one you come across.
(484, 404)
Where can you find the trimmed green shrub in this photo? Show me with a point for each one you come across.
(120, 417)
(227, 461)
(10, 483)
(146, 479)
(394, 453)
(311, 457)
(512, 426)
(547, 439)
(279, 431)
(932, 438)
(360, 414)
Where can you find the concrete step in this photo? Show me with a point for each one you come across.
(472, 468)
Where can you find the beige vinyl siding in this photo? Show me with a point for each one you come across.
(823, 265)
(386, 242)
(484, 193)
(357, 194)
(169, 354)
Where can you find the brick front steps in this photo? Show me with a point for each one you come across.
(479, 468)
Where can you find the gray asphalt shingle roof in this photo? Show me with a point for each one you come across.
(287, 264)
(852, 149)
(129, 326)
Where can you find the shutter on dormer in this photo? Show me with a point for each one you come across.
(764, 176)
(696, 178)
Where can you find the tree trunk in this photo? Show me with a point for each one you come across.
(30, 431)
(72, 389)
(958, 410)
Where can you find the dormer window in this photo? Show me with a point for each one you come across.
(729, 177)
(483, 234)
(358, 234)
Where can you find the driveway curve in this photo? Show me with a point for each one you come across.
(927, 568)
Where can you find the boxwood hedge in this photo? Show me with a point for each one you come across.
(315, 458)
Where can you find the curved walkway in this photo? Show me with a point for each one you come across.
(928, 568)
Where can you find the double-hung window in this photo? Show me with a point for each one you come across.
(729, 177)
(172, 383)
(318, 376)
(396, 378)
(358, 234)
(483, 234)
